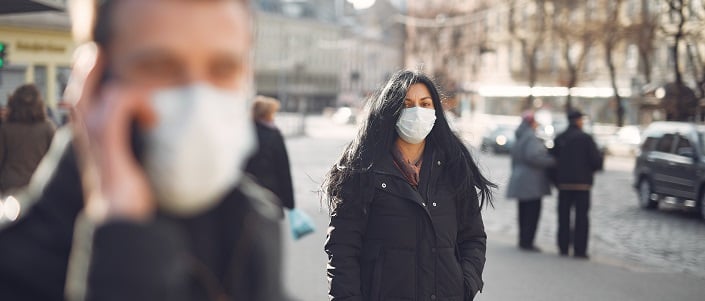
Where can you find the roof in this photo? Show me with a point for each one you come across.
(660, 127)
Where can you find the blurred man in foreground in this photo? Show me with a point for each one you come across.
(153, 177)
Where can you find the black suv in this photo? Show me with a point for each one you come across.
(671, 165)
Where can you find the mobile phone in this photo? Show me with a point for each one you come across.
(136, 137)
(137, 142)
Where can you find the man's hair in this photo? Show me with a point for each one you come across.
(264, 106)
(26, 105)
(92, 19)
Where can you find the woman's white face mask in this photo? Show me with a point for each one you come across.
(198, 150)
(415, 124)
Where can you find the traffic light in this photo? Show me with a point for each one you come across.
(3, 53)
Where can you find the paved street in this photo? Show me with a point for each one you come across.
(636, 254)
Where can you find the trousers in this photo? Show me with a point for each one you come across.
(529, 214)
(573, 233)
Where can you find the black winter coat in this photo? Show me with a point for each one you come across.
(232, 249)
(270, 165)
(424, 244)
(577, 157)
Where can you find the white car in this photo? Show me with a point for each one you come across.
(625, 142)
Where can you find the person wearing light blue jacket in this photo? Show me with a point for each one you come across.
(529, 181)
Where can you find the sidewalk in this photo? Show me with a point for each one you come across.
(509, 274)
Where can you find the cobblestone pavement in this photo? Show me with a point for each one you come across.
(668, 239)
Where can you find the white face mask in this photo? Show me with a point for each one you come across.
(197, 152)
(415, 123)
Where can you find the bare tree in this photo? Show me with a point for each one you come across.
(677, 15)
(575, 30)
(680, 99)
(531, 32)
(644, 33)
(447, 39)
(696, 55)
(612, 36)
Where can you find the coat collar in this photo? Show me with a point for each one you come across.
(429, 172)
(385, 164)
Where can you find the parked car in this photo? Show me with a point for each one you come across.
(671, 166)
(499, 139)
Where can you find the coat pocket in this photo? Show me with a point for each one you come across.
(450, 273)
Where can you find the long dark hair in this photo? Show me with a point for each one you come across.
(26, 105)
(377, 135)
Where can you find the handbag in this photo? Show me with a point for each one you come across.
(300, 223)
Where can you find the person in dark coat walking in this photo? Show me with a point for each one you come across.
(270, 164)
(529, 181)
(145, 198)
(405, 215)
(24, 138)
(578, 158)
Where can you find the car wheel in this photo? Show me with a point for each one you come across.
(645, 195)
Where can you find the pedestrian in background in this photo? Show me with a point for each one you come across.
(150, 185)
(578, 158)
(529, 181)
(3, 114)
(405, 214)
(24, 138)
(270, 164)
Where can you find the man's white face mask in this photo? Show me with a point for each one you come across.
(415, 124)
(197, 151)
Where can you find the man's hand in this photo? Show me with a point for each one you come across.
(114, 184)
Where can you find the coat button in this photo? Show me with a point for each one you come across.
(384, 185)
(424, 204)
(439, 163)
(434, 204)
(433, 297)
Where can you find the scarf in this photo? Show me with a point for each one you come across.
(409, 170)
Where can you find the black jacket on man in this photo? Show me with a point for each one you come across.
(425, 244)
(270, 165)
(577, 157)
(231, 250)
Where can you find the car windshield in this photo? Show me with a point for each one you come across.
(701, 135)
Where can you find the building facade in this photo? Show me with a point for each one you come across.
(39, 50)
(310, 54)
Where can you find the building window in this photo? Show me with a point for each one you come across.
(41, 79)
(62, 79)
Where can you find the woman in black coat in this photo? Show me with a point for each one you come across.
(405, 201)
(270, 165)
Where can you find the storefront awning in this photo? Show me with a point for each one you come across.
(27, 6)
